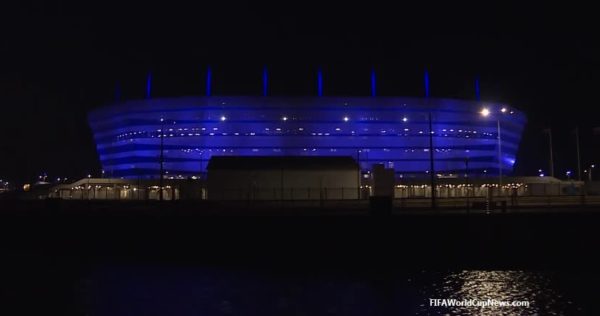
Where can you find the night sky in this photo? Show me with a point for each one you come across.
(59, 60)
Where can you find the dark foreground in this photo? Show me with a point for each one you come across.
(75, 260)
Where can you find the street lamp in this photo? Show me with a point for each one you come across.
(485, 112)
(161, 159)
(589, 172)
(431, 170)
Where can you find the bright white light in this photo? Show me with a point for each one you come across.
(346, 119)
(284, 118)
(223, 118)
(485, 112)
(405, 119)
(503, 110)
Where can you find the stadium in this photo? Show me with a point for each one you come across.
(467, 137)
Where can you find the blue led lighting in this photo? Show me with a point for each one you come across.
(149, 85)
(208, 82)
(320, 82)
(265, 82)
(373, 83)
(128, 142)
(477, 92)
(426, 83)
(118, 92)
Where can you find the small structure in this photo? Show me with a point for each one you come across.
(128, 189)
(282, 178)
(383, 181)
(383, 190)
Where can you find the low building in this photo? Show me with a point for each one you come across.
(282, 178)
(129, 189)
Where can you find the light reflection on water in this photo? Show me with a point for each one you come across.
(535, 287)
(208, 291)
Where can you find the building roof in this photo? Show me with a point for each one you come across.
(282, 162)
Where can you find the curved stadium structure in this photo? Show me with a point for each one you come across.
(389, 130)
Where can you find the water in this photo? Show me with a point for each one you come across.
(169, 290)
(536, 288)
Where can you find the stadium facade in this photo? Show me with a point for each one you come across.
(393, 131)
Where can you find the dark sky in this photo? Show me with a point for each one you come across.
(61, 59)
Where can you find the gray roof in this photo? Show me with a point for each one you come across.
(282, 162)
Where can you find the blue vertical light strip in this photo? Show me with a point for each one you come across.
(373, 83)
(265, 82)
(477, 91)
(149, 85)
(426, 82)
(208, 81)
(118, 92)
(320, 82)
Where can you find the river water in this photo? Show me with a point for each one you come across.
(177, 290)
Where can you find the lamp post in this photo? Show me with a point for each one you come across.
(161, 159)
(431, 160)
(485, 112)
(431, 165)
(467, 182)
(578, 155)
(551, 152)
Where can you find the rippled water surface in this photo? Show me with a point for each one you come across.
(537, 288)
(210, 291)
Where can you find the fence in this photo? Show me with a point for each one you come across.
(509, 190)
(405, 195)
(116, 193)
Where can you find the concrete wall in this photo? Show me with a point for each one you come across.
(282, 184)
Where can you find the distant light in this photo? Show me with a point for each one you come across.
(539, 170)
(89, 175)
(593, 166)
(284, 118)
(162, 119)
(223, 118)
(346, 119)
(405, 119)
(503, 110)
(541, 174)
(485, 112)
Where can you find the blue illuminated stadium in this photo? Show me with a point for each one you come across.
(389, 130)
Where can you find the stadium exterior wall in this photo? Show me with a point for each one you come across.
(388, 130)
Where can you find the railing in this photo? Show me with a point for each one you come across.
(536, 195)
